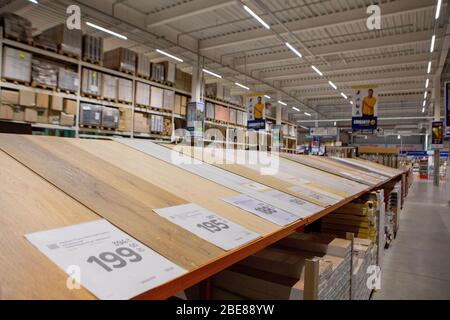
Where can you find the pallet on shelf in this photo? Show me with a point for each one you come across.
(43, 86)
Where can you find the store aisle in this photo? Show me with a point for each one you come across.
(417, 265)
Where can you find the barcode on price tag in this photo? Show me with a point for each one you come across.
(263, 210)
(208, 226)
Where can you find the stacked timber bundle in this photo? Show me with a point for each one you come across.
(299, 267)
(362, 259)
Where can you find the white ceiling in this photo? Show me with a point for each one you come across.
(331, 34)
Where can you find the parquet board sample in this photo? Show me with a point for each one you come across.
(123, 199)
(371, 166)
(30, 204)
(186, 185)
(336, 168)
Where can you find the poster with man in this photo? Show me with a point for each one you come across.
(365, 109)
(447, 108)
(256, 111)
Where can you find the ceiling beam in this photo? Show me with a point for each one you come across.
(324, 21)
(366, 44)
(185, 10)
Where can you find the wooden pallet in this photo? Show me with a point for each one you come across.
(141, 106)
(90, 96)
(143, 76)
(169, 84)
(28, 42)
(69, 54)
(131, 73)
(125, 102)
(108, 129)
(92, 61)
(43, 86)
(46, 48)
(110, 100)
(66, 91)
(89, 127)
(24, 83)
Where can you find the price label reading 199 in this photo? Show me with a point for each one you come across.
(213, 226)
(116, 260)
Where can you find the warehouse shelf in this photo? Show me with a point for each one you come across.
(225, 104)
(107, 132)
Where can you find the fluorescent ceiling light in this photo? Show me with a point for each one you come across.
(429, 67)
(306, 128)
(296, 109)
(254, 15)
(427, 83)
(307, 114)
(34, 1)
(438, 9)
(423, 110)
(267, 97)
(106, 30)
(212, 73)
(169, 55)
(317, 70)
(424, 103)
(425, 94)
(335, 123)
(293, 49)
(282, 103)
(242, 86)
(351, 102)
(433, 39)
(399, 137)
(342, 94)
(333, 85)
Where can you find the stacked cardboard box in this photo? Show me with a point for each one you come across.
(110, 118)
(125, 92)
(211, 90)
(92, 49)
(109, 87)
(156, 123)
(142, 94)
(91, 83)
(16, 27)
(16, 65)
(183, 81)
(121, 59)
(237, 100)
(68, 80)
(70, 106)
(46, 42)
(125, 117)
(362, 259)
(241, 118)
(141, 123)
(221, 113)
(210, 111)
(157, 97)
(184, 104)
(143, 66)
(233, 116)
(169, 100)
(69, 41)
(167, 127)
(67, 120)
(157, 72)
(170, 70)
(90, 114)
(44, 73)
(27, 98)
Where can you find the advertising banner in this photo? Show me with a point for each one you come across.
(447, 108)
(256, 107)
(365, 108)
(437, 135)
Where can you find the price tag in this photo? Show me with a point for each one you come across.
(327, 199)
(255, 186)
(208, 226)
(109, 263)
(263, 210)
(304, 208)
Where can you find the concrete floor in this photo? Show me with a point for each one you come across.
(417, 265)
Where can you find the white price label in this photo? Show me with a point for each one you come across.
(208, 226)
(262, 209)
(255, 186)
(111, 264)
(304, 208)
(97, 116)
(326, 199)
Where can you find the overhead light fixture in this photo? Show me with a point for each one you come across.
(343, 94)
(212, 73)
(106, 30)
(438, 9)
(335, 123)
(423, 110)
(351, 102)
(425, 94)
(307, 114)
(242, 86)
(317, 70)
(424, 103)
(306, 128)
(365, 137)
(429, 67)
(34, 1)
(399, 137)
(427, 83)
(296, 109)
(267, 97)
(293, 49)
(254, 15)
(282, 103)
(333, 85)
(433, 39)
(169, 55)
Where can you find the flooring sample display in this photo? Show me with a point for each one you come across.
(109, 263)
(123, 199)
(370, 166)
(336, 168)
(227, 179)
(25, 272)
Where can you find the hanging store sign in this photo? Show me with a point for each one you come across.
(209, 226)
(324, 132)
(256, 106)
(447, 108)
(437, 135)
(104, 260)
(365, 109)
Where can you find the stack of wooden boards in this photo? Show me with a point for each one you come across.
(70, 181)
(364, 256)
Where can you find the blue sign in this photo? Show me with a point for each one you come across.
(258, 124)
(447, 109)
(364, 123)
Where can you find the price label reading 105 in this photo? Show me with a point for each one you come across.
(110, 260)
(213, 226)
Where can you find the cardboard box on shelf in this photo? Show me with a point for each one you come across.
(91, 83)
(183, 110)
(69, 40)
(53, 117)
(169, 100)
(125, 115)
(156, 97)
(31, 115)
(70, 106)
(16, 27)
(68, 80)
(9, 97)
(170, 70)
(142, 94)
(90, 114)
(210, 110)
(141, 123)
(125, 92)
(157, 72)
(42, 100)
(18, 113)
(56, 103)
(121, 59)
(233, 116)
(42, 116)
(27, 98)
(177, 107)
(6, 112)
(109, 87)
(221, 113)
(184, 101)
(16, 65)
(110, 118)
(92, 49)
(143, 66)
(211, 90)
(67, 120)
